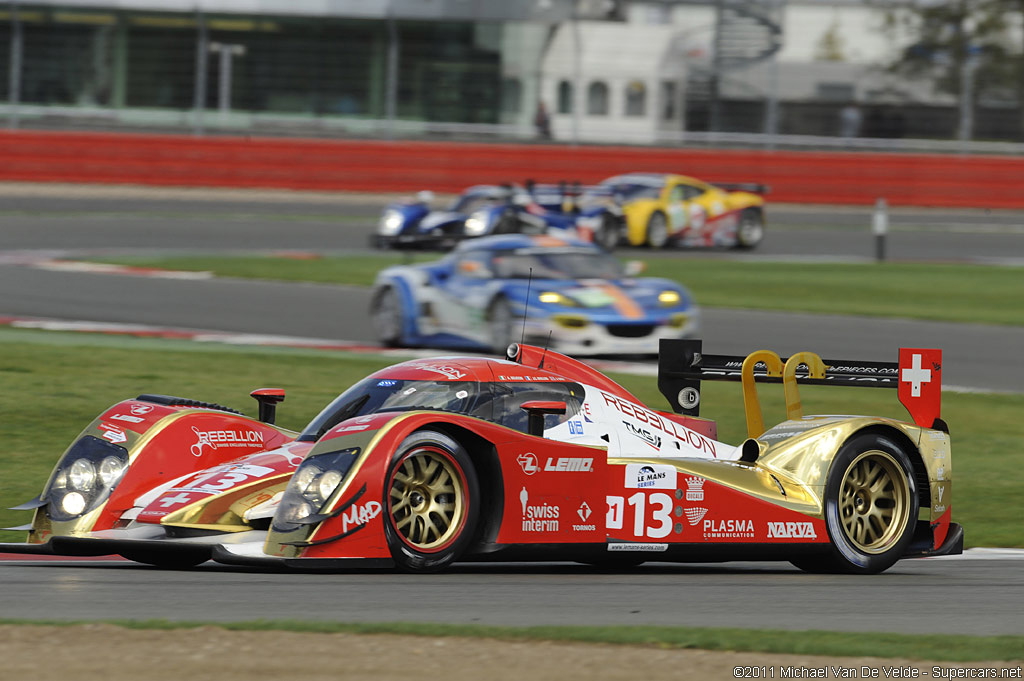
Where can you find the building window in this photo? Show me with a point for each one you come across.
(636, 98)
(565, 97)
(597, 99)
(511, 95)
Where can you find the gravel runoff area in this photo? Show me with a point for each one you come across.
(106, 652)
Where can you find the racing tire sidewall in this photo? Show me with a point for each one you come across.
(657, 230)
(750, 231)
(407, 558)
(608, 233)
(844, 555)
(392, 335)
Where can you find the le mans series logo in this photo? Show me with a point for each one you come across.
(650, 476)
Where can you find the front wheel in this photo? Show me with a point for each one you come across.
(608, 232)
(871, 507)
(657, 230)
(751, 229)
(431, 497)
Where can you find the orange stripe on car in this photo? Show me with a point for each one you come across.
(624, 305)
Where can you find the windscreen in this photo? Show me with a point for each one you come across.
(375, 395)
(552, 264)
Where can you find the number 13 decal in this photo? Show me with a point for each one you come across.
(661, 514)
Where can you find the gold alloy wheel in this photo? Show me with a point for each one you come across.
(874, 501)
(427, 500)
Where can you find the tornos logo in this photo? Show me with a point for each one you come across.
(584, 513)
(538, 518)
(563, 464)
(791, 530)
(216, 439)
(650, 476)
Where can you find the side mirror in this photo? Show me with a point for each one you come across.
(268, 399)
(537, 410)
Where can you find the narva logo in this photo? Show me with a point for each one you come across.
(791, 531)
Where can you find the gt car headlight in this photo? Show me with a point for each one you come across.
(669, 298)
(476, 224)
(390, 223)
(84, 478)
(311, 489)
(555, 298)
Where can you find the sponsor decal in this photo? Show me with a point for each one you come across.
(216, 439)
(670, 428)
(694, 488)
(387, 383)
(939, 509)
(569, 464)
(728, 529)
(940, 474)
(531, 379)
(629, 546)
(126, 417)
(352, 429)
(180, 498)
(695, 515)
(647, 436)
(446, 370)
(791, 530)
(586, 412)
(916, 375)
(140, 409)
(538, 518)
(112, 433)
(584, 513)
(528, 462)
(221, 478)
(650, 476)
(941, 491)
(575, 428)
(359, 515)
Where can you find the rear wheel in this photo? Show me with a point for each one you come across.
(387, 316)
(431, 497)
(657, 230)
(751, 229)
(870, 507)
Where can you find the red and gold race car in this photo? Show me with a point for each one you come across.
(533, 457)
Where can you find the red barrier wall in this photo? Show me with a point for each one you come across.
(361, 165)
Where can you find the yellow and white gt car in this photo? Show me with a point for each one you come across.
(662, 209)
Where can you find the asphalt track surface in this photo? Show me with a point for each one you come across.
(948, 596)
(933, 596)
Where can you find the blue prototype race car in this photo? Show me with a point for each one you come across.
(479, 295)
(494, 209)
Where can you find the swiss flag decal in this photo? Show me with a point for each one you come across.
(921, 384)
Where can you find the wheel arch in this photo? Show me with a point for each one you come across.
(909, 448)
(410, 329)
(484, 456)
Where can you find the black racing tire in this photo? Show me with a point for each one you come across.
(750, 231)
(871, 507)
(500, 325)
(176, 560)
(608, 233)
(657, 230)
(387, 315)
(431, 502)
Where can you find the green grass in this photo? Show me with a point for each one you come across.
(941, 292)
(54, 384)
(932, 648)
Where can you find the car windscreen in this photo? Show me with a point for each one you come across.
(553, 264)
(632, 192)
(374, 395)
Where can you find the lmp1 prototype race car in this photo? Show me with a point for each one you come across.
(494, 209)
(533, 457)
(663, 209)
(566, 294)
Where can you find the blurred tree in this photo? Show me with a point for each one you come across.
(831, 46)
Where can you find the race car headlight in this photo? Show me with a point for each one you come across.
(476, 224)
(84, 477)
(554, 298)
(311, 489)
(390, 223)
(669, 298)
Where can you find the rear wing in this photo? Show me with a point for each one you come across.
(682, 365)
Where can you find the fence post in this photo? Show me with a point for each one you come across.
(880, 227)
